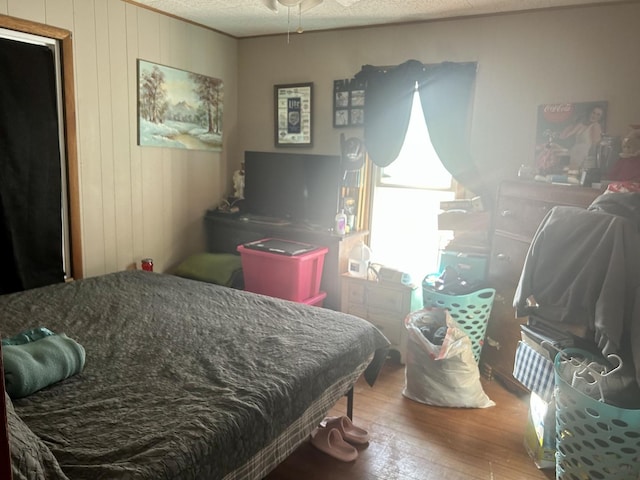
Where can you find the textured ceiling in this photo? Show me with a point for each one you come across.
(247, 18)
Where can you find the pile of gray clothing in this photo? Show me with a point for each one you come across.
(583, 268)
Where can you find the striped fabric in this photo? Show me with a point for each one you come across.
(534, 371)
(274, 453)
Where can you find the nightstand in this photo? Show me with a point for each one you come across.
(384, 304)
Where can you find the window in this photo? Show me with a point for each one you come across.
(406, 202)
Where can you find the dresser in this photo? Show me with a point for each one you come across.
(520, 208)
(384, 304)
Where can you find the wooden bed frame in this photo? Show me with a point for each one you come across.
(5, 454)
(5, 457)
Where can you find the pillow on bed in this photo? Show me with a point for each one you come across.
(218, 268)
(31, 459)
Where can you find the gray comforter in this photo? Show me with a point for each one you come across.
(183, 379)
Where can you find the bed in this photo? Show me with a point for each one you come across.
(183, 379)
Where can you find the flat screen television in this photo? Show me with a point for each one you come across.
(299, 188)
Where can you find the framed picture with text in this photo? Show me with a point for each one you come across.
(293, 115)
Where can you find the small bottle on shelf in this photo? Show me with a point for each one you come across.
(341, 223)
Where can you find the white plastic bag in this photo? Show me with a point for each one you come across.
(445, 375)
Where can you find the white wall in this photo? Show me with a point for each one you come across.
(524, 60)
(136, 201)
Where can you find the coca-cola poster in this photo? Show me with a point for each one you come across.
(567, 135)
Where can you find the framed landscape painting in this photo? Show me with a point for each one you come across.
(178, 109)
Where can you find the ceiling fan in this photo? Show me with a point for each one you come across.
(302, 5)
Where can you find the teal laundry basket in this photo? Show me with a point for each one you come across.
(471, 312)
(594, 440)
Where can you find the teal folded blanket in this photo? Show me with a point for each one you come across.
(27, 336)
(32, 366)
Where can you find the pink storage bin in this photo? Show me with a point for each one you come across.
(291, 277)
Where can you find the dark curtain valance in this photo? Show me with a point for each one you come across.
(445, 93)
(388, 96)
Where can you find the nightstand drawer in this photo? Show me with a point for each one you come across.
(389, 325)
(355, 293)
(388, 299)
(384, 305)
(357, 309)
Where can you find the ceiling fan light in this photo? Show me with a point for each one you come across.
(271, 5)
(304, 5)
(309, 4)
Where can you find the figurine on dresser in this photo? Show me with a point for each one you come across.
(233, 204)
(238, 183)
(627, 168)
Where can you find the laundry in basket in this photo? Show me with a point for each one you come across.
(595, 440)
(443, 374)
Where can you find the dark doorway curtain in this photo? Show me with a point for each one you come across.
(30, 172)
(446, 91)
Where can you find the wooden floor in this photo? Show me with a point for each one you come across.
(410, 440)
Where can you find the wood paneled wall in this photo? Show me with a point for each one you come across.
(136, 201)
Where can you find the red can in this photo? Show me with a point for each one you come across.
(147, 264)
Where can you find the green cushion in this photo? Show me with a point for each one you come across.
(218, 268)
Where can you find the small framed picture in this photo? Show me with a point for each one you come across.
(293, 104)
(357, 116)
(348, 103)
(357, 98)
(341, 118)
(342, 99)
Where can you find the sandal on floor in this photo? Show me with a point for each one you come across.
(348, 430)
(329, 441)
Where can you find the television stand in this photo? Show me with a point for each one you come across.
(225, 233)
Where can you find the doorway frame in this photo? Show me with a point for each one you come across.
(75, 269)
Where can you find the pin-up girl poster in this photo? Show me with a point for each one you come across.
(568, 134)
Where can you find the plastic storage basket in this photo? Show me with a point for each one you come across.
(594, 440)
(471, 312)
(285, 269)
